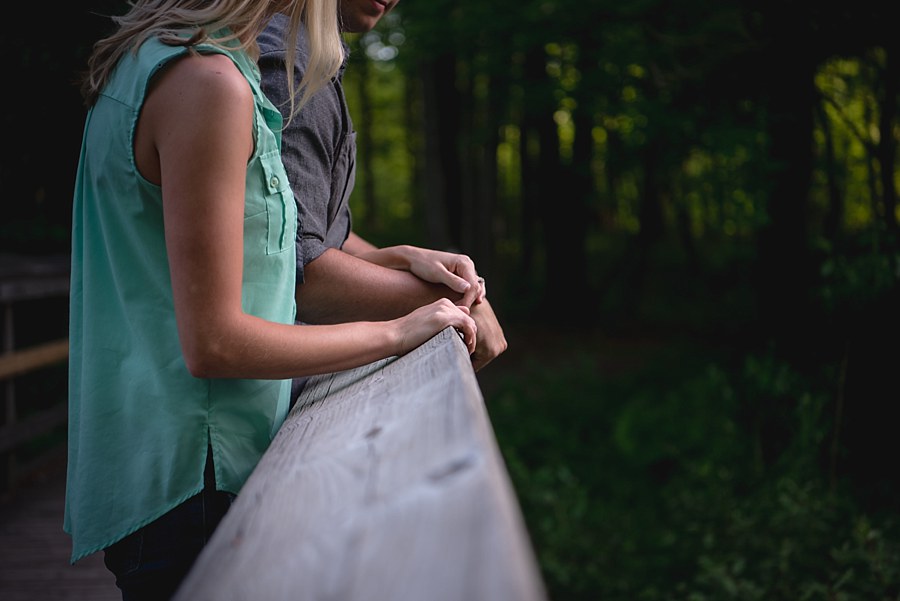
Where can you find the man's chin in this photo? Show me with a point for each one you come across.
(361, 25)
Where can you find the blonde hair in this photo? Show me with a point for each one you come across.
(190, 22)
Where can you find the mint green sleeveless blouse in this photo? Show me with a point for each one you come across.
(139, 422)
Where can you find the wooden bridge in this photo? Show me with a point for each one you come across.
(385, 482)
(34, 550)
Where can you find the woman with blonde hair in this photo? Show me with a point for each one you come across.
(182, 334)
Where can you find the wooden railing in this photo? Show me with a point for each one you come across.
(384, 483)
(26, 279)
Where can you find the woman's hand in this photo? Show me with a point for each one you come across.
(423, 323)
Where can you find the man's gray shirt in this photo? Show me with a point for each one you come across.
(318, 147)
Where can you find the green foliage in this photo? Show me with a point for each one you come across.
(857, 279)
(647, 484)
(847, 88)
(384, 106)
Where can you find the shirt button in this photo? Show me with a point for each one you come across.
(273, 183)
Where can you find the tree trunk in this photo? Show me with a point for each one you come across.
(887, 143)
(785, 275)
(835, 215)
(650, 218)
(486, 203)
(442, 170)
(365, 144)
(567, 221)
(449, 121)
(415, 148)
(533, 75)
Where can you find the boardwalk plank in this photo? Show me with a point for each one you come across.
(34, 550)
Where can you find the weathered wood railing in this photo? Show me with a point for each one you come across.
(384, 483)
(24, 279)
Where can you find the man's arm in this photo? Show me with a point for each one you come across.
(358, 281)
(340, 287)
(356, 245)
(490, 342)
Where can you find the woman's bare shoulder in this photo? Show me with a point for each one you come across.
(213, 77)
(200, 105)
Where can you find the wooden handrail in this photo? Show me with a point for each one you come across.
(384, 483)
(17, 363)
(27, 278)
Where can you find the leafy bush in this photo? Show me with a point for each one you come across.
(663, 484)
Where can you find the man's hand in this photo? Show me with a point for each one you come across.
(490, 341)
(362, 281)
(453, 270)
(456, 271)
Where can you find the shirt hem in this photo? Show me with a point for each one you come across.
(77, 556)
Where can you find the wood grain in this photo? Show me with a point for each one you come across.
(34, 550)
(385, 482)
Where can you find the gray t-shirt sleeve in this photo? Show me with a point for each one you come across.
(311, 143)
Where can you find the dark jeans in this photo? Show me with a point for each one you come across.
(150, 563)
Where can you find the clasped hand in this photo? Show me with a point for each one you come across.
(456, 271)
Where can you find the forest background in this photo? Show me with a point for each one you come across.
(687, 216)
